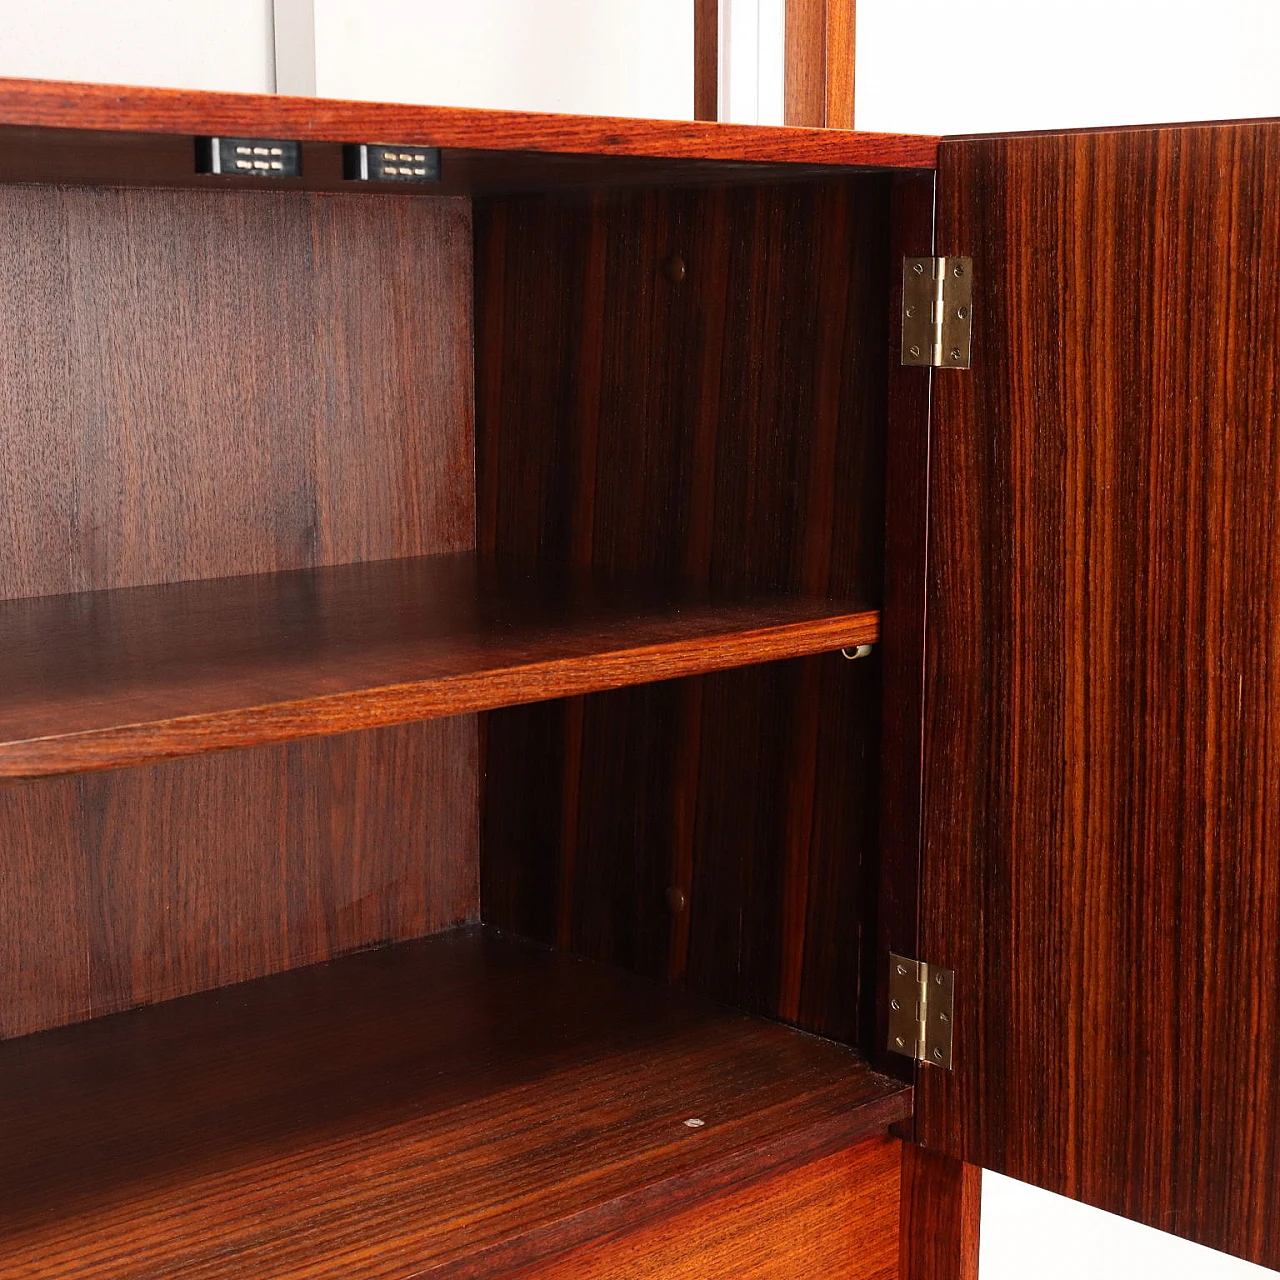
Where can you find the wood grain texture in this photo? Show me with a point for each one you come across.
(818, 65)
(104, 679)
(127, 888)
(706, 59)
(836, 1217)
(902, 627)
(299, 1125)
(841, 62)
(58, 104)
(122, 158)
(195, 385)
(692, 385)
(1103, 705)
(941, 1208)
(804, 67)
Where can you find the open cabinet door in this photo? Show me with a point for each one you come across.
(1101, 861)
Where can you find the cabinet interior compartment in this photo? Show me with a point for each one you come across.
(247, 435)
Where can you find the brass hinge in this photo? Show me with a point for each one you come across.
(937, 312)
(921, 1010)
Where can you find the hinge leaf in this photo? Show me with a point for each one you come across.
(937, 312)
(921, 1010)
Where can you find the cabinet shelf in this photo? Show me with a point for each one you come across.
(465, 1104)
(111, 678)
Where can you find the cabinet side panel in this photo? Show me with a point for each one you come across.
(1102, 812)
(122, 888)
(196, 384)
(690, 385)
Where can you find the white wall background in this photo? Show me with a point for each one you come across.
(928, 67)
(923, 67)
(184, 44)
(596, 57)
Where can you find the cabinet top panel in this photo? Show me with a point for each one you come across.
(130, 109)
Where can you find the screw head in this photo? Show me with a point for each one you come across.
(918, 268)
(937, 977)
(955, 355)
(910, 312)
(962, 313)
(915, 351)
(937, 1055)
(957, 272)
(893, 1004)
(899, 1041)
(942, 1017)
(902, 968)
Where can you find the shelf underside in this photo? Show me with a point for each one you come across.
(461, 1105)
(128, 676)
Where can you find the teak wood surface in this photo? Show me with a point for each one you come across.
(131, 676)
(1102, 821)
(463, 1106)
(195, 385)
(123, 888)
(66, 105)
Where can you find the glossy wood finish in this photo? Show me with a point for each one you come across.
(692, 384)
(196, 385)
(124, 677)
(836, 1217)
(706, 59)
(1102, 858)
(941, 1209)
(126, 888)
(464, 1105)
(818, 66)
(56, 104)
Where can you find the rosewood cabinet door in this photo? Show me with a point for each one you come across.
(1101, 860)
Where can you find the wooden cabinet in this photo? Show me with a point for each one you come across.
(442, 832)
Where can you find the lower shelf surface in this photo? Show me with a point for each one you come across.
(464, 1105)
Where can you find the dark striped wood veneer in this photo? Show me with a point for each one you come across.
(1102, 823)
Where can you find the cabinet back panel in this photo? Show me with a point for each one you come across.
(691, 385)
(197, 384)
(122, 888)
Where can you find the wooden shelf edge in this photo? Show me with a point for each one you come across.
(483, 690)
(73, 105)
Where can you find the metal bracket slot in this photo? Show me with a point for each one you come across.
(937, 312)
(921, 1010)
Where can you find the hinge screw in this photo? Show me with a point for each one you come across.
(902, 969)
(937, 1055)
(893, 1004)
(915, 351)
(899, 1041)
(918, 268)
(955, 353)
(942, 1017)
(938, 979)
(910, 312)
(961, 312)
(957, 271)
